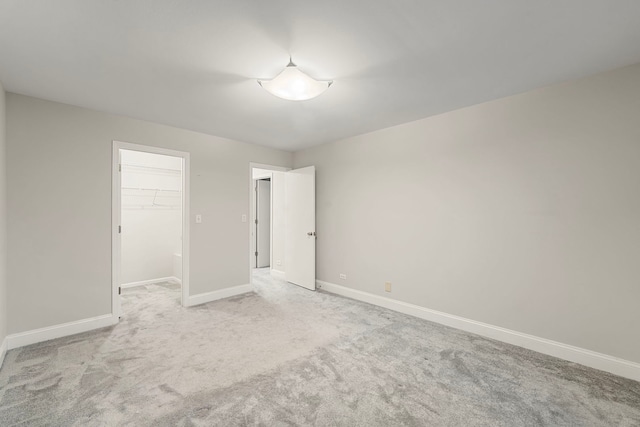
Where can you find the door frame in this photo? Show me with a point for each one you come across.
(252, 208)
(116, 209)
(257, 225)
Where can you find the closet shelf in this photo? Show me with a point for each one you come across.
(151, 189)
(150, 208)
(136, 169)
(150, 198)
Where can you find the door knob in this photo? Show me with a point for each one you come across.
(311, 233)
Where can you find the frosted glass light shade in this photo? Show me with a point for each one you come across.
(294, 85)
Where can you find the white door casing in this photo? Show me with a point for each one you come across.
(300, 234)
(116, 199)
(116, 240)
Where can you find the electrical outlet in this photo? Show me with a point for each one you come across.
(243, 218)
(387, 286)
(198, 219)
(343, 276)
(278, 262)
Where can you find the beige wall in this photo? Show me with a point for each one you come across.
(3, 219)
(522, 212)
(59, 207)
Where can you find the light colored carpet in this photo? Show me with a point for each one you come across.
(287, 356)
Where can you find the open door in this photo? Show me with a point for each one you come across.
(300, 235)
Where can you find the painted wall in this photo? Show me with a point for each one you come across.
(522, 213)
(3, 219)
(59, 207)
(151, 215)
(261, 173)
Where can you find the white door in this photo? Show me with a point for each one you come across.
(263, 223)
(300, 234)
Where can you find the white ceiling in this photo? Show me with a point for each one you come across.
(194, 64)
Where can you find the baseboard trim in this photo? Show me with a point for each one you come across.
(148, 282)
(278, 274)
(51, 332)
(216, 295)
(592, 359)
(3, 350)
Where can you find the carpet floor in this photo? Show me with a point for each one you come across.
(285, 356)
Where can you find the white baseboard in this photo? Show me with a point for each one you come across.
(51, 332)
(603, 362)
(278, 274)
(148, 282)
(3, 350)
(216, 295)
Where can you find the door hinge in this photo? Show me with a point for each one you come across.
(119, 229)
(119, 290)
(256, 253)
(256, 221)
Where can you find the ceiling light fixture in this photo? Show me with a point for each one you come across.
(294, 85)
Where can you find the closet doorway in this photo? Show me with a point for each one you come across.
(266, 220)
(150, 238)
(292, 235)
